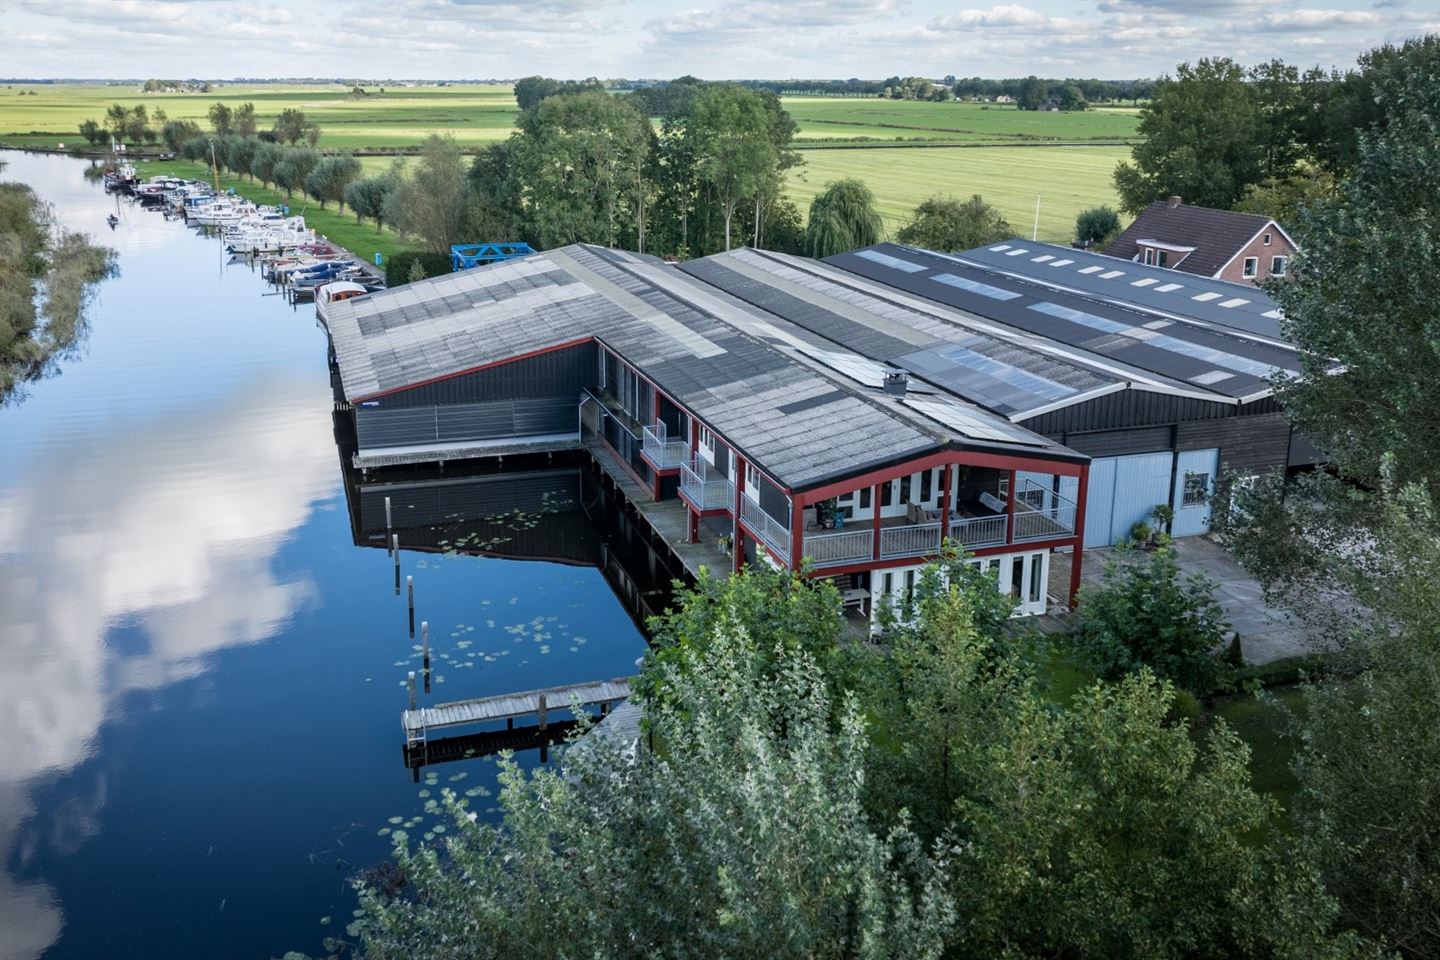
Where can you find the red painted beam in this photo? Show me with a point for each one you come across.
(957, 457)
(1077, 554)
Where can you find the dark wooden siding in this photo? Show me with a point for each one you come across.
(1247, 444)
(558, 374)
(1119, 443)
(1303, 452)
(1125, 409)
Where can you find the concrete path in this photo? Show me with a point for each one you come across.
(1266, 633)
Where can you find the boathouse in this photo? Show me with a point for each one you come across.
(849, 415)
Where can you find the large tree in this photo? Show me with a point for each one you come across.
(947, 224)
(221, 118)
(367, 196)
(430, 202)
(294, 168)
(580, 161)
(1201, 139)
(842, 217)
(330, 178)
(290, 125)
(735, 150)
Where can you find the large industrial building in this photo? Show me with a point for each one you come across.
(849, 415)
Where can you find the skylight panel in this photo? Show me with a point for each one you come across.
(1112, 274)
(885, 260)
(997, 249)
(1091, 269)
(1214, 376)
(1017, 252)
(1042, 258)
(1272, 314)
(1143, 282)
(972, 422)
(1166, 288)
(1206, 297)
(1008, 373)
(1080, 317)
(1062, 263)
(975, 286)
(862, 370)
(1234, 302)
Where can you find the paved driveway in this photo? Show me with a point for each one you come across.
(1266, 633)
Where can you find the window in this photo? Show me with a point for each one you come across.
(887, 493)
(752, 481)
(1149, 257)
(845, 497)
(1197, 490)
(864, 498)
(1252, 266)
(904, 489)
(925, 484)
(1267, 239)
(1161, 257)
(707, 439)
(1277, 266)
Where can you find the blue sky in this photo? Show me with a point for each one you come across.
(437, 39)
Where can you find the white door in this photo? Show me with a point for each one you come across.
(1194, 486)
(1026, 577)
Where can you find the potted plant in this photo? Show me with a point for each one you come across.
(1163, 515)
(724, 542)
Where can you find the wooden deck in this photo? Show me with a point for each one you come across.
(443, 716)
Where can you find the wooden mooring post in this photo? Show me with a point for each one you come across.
(410, 592)
(540, 713)
(389, 526)
(425, 651)
(410, 685)
(395, 548)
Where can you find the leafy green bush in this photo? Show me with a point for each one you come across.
(1145, 613)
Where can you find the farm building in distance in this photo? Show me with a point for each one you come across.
(1221, 244)
(851, 414)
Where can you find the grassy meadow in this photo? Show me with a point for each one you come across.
(905, 150)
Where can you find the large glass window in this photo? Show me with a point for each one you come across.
(1252, 266)
(1277, 266)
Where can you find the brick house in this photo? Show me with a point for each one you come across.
(1221, 244)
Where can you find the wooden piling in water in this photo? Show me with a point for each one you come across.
(389, 526)
(410, 684)
(425, 651)
(541, 712)
(395, 548)
(410, 592)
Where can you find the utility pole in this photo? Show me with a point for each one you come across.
(1034, 237)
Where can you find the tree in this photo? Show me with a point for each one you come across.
(580, 161)
(429, 204)
(367, 196)
(267, 158)
(1096, 226)
(1279, 105)
(92, 132)
(1071, 97)
(330, 178)
(745, 837)
(1143, 614)
(1032, 93)
(137, 124)
(240, 154)
(1202, 140)
(842, 217)
(47, 276)
(530, 91)
(735, 154)
(176, 132)
(293, 169)
(495, 204)
(221, 118)
(948, 225)
(243, 120)
(1100, 829)
(1285, 198)
(116, 118)
(312, 133)
(290, 125)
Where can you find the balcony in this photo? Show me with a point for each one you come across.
(972, 533)
(1042, 514)
(910, 540)
(772, 532)
(840, 548)
(662, 453)
(705, 487)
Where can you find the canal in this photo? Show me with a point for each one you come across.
(202, 655)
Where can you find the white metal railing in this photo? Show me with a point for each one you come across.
(832, 549)
(1053, 519)
(973, 532)
(775, 534)
(661, 452)
(910, 540)
(706, 487)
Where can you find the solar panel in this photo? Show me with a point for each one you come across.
(975, 286)
(885, 260)
(1008, 373)
(1187, 348)
(972, 422)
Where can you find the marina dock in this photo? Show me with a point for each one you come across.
(419, 723)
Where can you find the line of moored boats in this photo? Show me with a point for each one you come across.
(288, 253)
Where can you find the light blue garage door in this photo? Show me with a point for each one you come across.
(1124, 491)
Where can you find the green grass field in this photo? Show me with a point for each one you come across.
(905, 150)
(1067, 180)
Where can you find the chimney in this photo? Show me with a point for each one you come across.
(896, 383)
(1174, 201)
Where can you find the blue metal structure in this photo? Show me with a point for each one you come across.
(465, 255)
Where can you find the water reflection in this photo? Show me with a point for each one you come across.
(164, 527)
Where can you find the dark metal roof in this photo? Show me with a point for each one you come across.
(1210, 360)
(1233, 305)
(1216, 235)
(800, 422)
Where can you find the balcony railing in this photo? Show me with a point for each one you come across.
(911, 540)
(663, 454)
(974, 532)
(705, 487)
(774, 533)
(1052, 519)
(835, 549)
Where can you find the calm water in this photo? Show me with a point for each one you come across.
(201, 673)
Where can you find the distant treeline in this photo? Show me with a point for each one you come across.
(971, 88)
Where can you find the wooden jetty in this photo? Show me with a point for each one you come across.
(417, 723)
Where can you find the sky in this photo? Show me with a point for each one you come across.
(713, 39)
